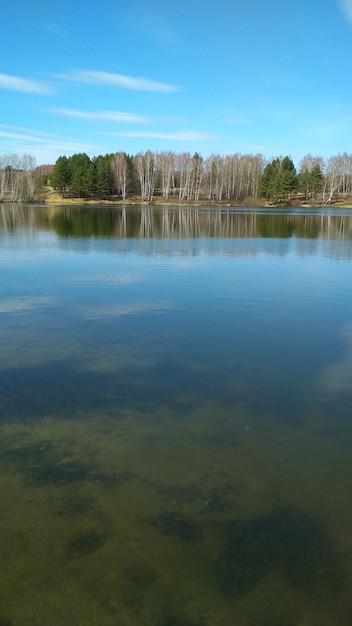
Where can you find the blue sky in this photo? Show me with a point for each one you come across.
(244, 76)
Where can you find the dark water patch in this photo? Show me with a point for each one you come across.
(76, 505)
(45, 463)
(272, 620)
(215, 502)
(28, 455)
(60, 387)
(291, 419)
(285, 404)
(224, 439)
(59, 473)
(66, 389)
(178, 526)
(288, 541)
(328, 433)
(114, 480)
(180, 388)
(204, 502)
(6, 621)
(87, 542)
(342, 437)
(141, 576)
(171, 618)
(180, 494)
(16, 545)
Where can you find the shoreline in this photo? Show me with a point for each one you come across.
(53, 198)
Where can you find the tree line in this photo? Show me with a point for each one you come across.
(219, 178)
(17, 178)
(182, 177)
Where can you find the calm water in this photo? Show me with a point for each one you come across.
(175, 425)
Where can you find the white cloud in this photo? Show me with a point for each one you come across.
(15, 83)
(109, 79)
(47, 146)
(19, 136)
(346, 8)
(100, 116)
(183, 135)
(35, 137)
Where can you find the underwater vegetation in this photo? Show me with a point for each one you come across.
(289, 542)
(76, 505)
(44, 463)
(170, 618)
(87, 542)
(58, 473)
(181, 494)
(178, 526)
(27, 455)
(270, 620)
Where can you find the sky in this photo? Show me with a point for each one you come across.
(232, 76)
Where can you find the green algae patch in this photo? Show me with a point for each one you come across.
(87, 542)
(289, 542)
(178, 526)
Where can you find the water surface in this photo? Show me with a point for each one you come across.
(175, 425)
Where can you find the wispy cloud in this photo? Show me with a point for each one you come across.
(101, 116)
(55, 29)
(241, 121)
(346, 8)
(26, 139)
(24, 85)
(109, 79)
(17, 135)
(152, 24)
(257, 147)
(182, 135)
(36, 137)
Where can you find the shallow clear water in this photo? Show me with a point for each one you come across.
(175, 425)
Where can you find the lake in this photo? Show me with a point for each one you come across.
(175, 425)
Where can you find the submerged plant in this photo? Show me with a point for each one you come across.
(288, 541)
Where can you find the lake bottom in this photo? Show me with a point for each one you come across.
(211, 517)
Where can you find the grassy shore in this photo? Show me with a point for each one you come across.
(50, 196)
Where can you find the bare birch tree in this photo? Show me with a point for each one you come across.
(332, 179)
(28, 165)
(197, 177)
(4, 176)
(13, 168)
(165, 167)
(119, 172)
(184, 173)
(145, 168)
(215, 170)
